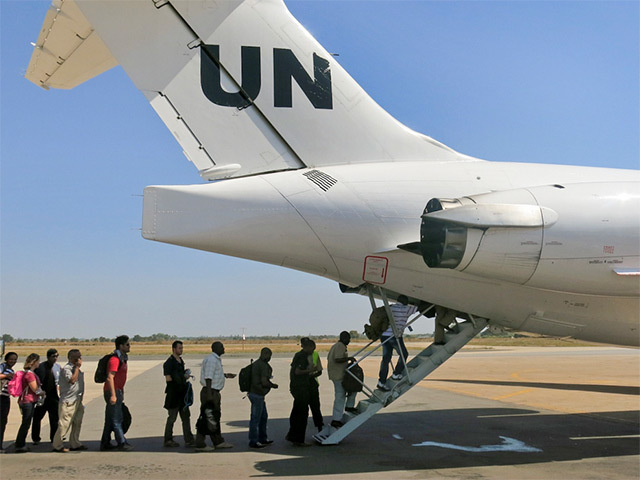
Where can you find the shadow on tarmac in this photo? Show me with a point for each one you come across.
(390, 444)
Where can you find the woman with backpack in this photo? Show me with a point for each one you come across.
(6, 374)
(31, 393)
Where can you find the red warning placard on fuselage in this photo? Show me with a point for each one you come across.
(375, 270)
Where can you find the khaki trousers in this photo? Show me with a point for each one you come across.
(70, 420)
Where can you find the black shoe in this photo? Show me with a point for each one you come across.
(257, 445)
(295, 442)
(266, 442)
(438, 343)
(124, 447)
(351, 410)
(336, 423)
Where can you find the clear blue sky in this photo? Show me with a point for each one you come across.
(546, 82)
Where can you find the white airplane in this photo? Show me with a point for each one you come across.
(306, 171)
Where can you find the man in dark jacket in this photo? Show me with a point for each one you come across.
(261, 384)
(177, 385)
(48, 372)
(299, 378)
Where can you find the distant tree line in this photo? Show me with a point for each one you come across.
(155, 338)
(166, 338)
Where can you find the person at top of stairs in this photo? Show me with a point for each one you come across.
(401, 312)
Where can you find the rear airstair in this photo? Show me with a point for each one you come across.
(416, 369)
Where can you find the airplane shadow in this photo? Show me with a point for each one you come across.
(391, 442)
(615, 389)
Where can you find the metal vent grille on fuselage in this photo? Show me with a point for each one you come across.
(324, 181)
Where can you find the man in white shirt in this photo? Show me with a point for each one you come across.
(337, 362)
(212, 378)
(401, 312)
(71, 409)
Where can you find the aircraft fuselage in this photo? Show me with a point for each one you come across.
(567, 277)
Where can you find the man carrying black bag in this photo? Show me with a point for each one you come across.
(212, 377)
(337, 362)
(177, 385)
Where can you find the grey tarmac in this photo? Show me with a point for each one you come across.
(576, 410)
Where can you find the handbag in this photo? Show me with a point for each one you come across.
(41, 397)
(188, 396)
(351, 384)
(126, 418)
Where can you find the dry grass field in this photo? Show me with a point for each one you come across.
(253, 346)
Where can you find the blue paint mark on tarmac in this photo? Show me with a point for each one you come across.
(507, 445)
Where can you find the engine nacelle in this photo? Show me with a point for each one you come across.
(582, 238)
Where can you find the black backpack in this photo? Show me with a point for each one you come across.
(244, 378)
(101, 371)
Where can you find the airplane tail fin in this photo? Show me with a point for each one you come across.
(246, 89)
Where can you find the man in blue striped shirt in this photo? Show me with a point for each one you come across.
(401, 312)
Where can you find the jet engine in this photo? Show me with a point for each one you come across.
(540, 236)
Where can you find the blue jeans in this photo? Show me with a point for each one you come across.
(396, 344)
(113, 419)
(27, 410)
(258, 421)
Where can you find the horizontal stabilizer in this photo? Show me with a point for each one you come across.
(68, 51)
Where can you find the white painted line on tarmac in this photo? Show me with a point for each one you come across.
(507, 445)
(605, 437)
